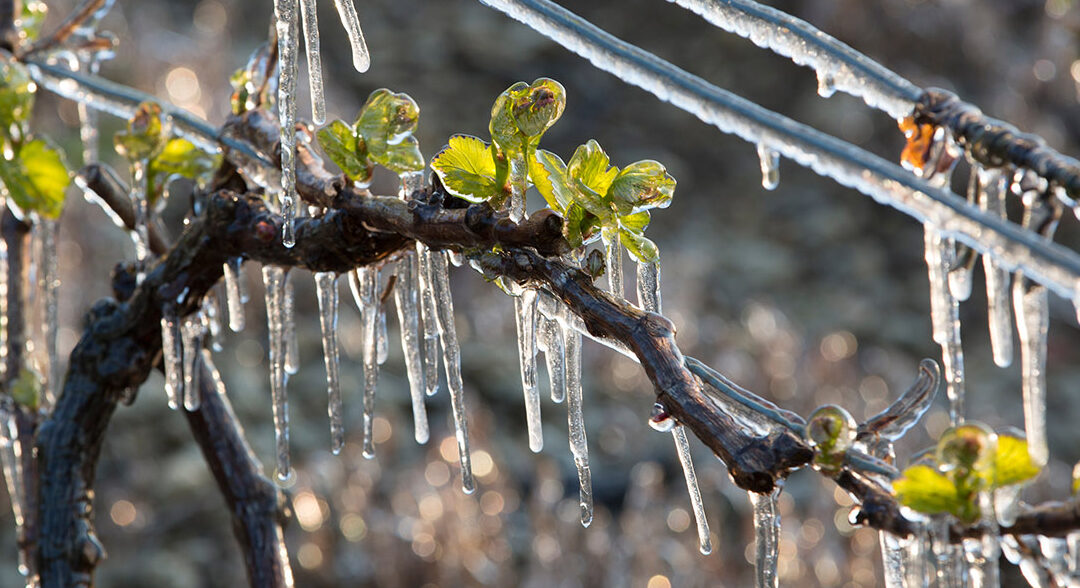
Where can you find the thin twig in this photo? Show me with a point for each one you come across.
(65, 29)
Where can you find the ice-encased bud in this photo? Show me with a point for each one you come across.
(969, 447)
(830, 431)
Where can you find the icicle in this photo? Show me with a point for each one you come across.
(287, 29)
(946, 557)
(327, 293)
(1032, 323)
(1055, 552)
(992, 190)
(682, 445)
(613, 259)
(576, 421)
(233, 295)
(916, 555)
(288, 313)
(142, 216)
(826, 84)
(944, 313)
(367, 279)
(457, 259)
(382, 339)
(172, 356)
(431, 328)
(444, 311)
(408, 313)
(770, 166)
(648, 286)
(892, 559)
(551, 343)
(767, 537)
(310, 20)
(49, 285)
(347, 13)
(1073, 540)
(525, 311)
(11, 459)
(274, 279)
(192, 332)
(517, 199)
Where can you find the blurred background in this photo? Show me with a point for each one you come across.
(807, 295)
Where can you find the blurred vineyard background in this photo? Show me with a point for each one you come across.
(808, 295)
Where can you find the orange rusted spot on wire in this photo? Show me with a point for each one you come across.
(920, 138)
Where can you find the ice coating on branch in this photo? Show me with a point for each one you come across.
(192, 332)
(849, 165)
(576, 420)
(992, 190)
(365, 290)
(766, 536)
(770, 166)
(550, 342)
(310, 19)
(235, 294)
(408, 313)
(327, 293)
(1032, 324)
(274, 280)
(288, 313)
(444, 312)
(286, 17)
(431, 327)
(525, 312)
(648, 286)
(837, 65)
(141, 235)
(945, 318)
(682, 446)
(360, 56)
(613, 260)
(172, 357)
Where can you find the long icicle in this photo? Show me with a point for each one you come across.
(613, 255)
(367, 279)
(172, 356)
(431, 322)
(767, 537)
(347, 13)
(575, 418)
(192, 332)
(234, 292)
(141, 235)
(49, 276)
(310, 20)
(525, 311)
(992, 188)
(285, 13)
(444, 311)
(649, 300)
(274, 280)
(327, 293)
(288, 314)
(551, 343)
(408, 313)
(945, 319)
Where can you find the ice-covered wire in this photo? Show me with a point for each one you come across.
(1013, 247)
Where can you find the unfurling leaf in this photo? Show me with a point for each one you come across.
(548, 173)
(928, 491)
(589, 166)
(16, 98)
(642, 185)
(179, 159)
(467, 169)
(386, 119)
(1012, 463)
(36, 178)
(538, 107)
(639, 246)
(341, 145)
(146, 134)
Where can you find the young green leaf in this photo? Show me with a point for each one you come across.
(27, 389)
(179, 159)
(36, 178)
(386, 119)
(467, 169)
(538, 106)
(401, 157)
(640, 247)
(643, 185)
(146, 134)
(590, 167)
(926, 490)
(502, 126)
(341, 145)
(16, 98)
(548, 173)
(636, 222)
(1012, 463)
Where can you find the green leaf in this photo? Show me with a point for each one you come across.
(26, 390)
(502, 126)
(467, 169)
(643, 185)
(1012, 463)
(636, 222)
(339, 142)
(401, 157)
(146, 134)
(548, 173)
(386, 119)
(639, 247)
(589, 166)
(926, 490)
(573, 223)
(16, 98)
(36, 179)
(538, 106)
